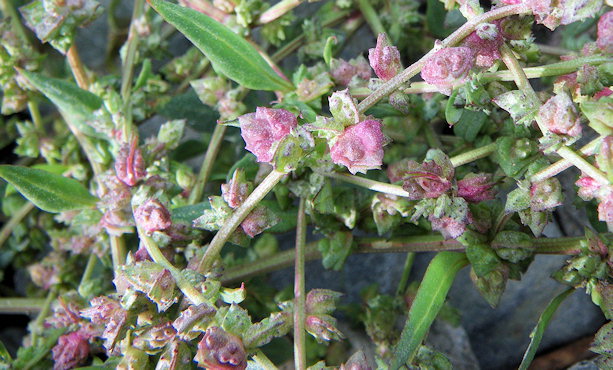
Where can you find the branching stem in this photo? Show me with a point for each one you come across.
(212, 252)
(565, 152)
(468, 27)
(184, 285)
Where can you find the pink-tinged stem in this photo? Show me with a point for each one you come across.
(299, 293)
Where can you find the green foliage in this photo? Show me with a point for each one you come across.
(79, 107)
(335, 249)
(539, 329)
(48, 191)
(230, 54)
(429, 299)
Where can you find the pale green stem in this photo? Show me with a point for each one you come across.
(87, 274)
(564, 164)
(579, 162)
(36, 117)
(554, 50)
(21, 305)
(468, 27)
(406, 271)
(294, 44)
(299, 293)
(277, 11)
(517, 71)
(270, 263)
(15, 219)
(118, 252)
(420, 88)
(128, 68)
(565, 152)
(264, 362)
(207, 163)
(184, 285)
(78, 71)
(37, 327)
(212, 252)
(373, 185)
(554, 69)
(371, 17)
(473, 155)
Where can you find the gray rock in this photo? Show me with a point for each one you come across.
(454, 343)
(585, 365)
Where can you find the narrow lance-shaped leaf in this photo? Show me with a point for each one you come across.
(539, 329)
(79, 107)
(428, 302)
(48, 191)
(229, 53)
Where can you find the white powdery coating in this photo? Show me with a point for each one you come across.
(605, 32)
(560, 116)
(448, 67)
(385, 59)
(263, 130)
(359, 147)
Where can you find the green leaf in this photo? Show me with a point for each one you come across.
(515, 155)
(49, 192)
(5, 357)
(330, 43)
(539, 329)
(76, 105)
(429, 299)
(230, 54)
(482, 258)
(32, 357)
(517, 200)
(236, 320)
(519, 106)
(199, 116)
(603, 340)
(435, 17)
(287, 217)
(469, 124)
(187, 214)
(335, 249)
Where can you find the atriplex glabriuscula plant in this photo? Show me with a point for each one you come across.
(128, 209)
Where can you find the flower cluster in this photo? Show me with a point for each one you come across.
(359, 147)
(448, 68)
(385, 58)
(590, 188)
(346, 73)
(139, 254)
(432, 182)
(264, 129)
